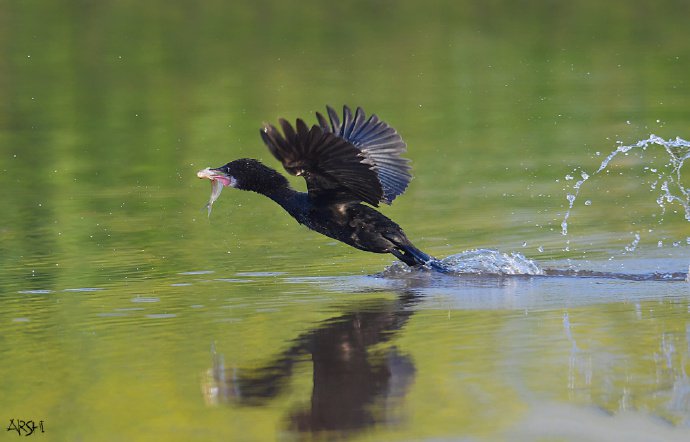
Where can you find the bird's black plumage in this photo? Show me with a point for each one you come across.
(345, 163)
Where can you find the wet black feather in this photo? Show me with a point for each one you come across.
(358, 159)
(343, 163)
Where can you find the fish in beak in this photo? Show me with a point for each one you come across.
(219, 179)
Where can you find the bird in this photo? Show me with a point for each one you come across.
(350, 165)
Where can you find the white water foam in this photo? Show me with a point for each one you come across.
(477, 262)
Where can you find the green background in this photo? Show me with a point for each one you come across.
(108, 108)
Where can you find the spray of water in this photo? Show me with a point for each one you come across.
(492, 262)
(668, 182)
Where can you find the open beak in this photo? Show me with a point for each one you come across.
(219, 179)
(210, 174)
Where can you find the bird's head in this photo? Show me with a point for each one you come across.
(245, 174)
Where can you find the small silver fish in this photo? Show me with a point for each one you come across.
(217, 184)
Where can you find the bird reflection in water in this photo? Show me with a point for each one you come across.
(356, 382)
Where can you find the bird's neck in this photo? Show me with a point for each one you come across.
(294, 202)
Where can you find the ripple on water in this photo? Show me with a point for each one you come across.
(233, 280)
(145, 299)
(83, 289)
(260, 274)
(161, 315)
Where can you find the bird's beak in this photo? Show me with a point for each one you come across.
(219, 179)
(211, 174)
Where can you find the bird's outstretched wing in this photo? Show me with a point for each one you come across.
(358, 160)
(380, 144)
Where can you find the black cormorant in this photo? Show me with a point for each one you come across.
(345, 164)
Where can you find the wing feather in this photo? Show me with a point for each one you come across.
(331, 166)
(358, 159)
(380, 144)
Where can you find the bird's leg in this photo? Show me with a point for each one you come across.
(404, 257)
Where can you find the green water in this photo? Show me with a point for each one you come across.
(127, 314)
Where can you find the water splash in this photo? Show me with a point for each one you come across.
(633, 244)
(477, 262)
(668, 179)
(483, 262)
(491, 262)
(571, 197)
